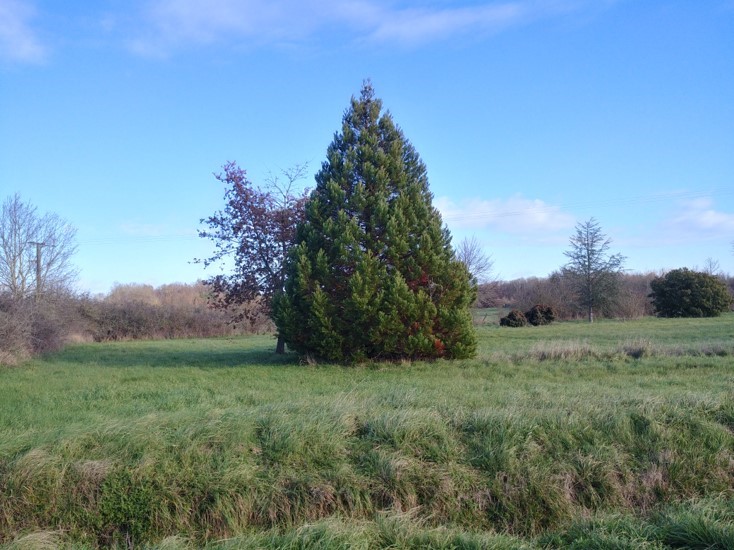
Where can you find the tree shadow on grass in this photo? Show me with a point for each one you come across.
(206, 354)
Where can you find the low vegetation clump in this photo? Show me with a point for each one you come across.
(221, 443)
(540, 314)
(514, 318)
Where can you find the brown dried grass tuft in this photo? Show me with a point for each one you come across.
(565, 350)
(39, 540)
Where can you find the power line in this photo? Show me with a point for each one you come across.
(137, 239)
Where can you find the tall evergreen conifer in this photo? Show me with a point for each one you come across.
(373, 274)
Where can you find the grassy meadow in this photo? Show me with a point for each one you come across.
(618, 434)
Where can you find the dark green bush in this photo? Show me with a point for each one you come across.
(686, 293)
(515, 318)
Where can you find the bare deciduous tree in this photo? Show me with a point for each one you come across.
(35, 250)
(712, 267)
(469, 251)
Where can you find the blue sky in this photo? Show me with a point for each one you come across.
(531, 116)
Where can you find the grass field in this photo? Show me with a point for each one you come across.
(611, 435)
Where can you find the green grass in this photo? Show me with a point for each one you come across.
(611, 435)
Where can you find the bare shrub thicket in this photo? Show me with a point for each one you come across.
(15, 329)
(136, 311)
(634, 296)
(488, 295)
(632, 299)
(554, 291)
(31, 326)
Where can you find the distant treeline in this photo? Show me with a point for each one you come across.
(632, 300)
(37, 325)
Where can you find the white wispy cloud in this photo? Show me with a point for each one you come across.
(173, 24)
(700, 215)
(19, 42)
(511, 215)
(416, 26)
(176, 24)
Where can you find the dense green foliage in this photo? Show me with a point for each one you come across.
(568, 435)
(373, 274)
(686, 293)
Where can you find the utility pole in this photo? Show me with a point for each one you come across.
(38, 268)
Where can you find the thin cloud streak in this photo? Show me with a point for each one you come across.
(18, 41)
(177, 24)
(700, 215)
(515, 215)
(412, 27)
(696, 221)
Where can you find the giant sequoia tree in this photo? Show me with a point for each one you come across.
(373, 273)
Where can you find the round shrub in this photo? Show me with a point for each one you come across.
(515, 318)
(686, 293)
